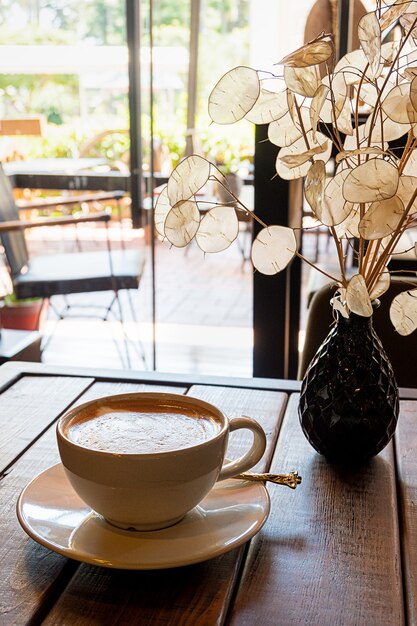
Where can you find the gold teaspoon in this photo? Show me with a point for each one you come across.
(289, 480)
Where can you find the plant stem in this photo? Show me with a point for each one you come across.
(357, 112)
(393, 242)
(407, 152)
(316, 267)
(333, 138)
(339, 254)
(300, 119)
(361, 239)
(367, 256)
(378, 98)
(334, 118)
(242, 206)
(370, 283)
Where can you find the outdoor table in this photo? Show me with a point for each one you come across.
(58, 165)
(341, 549)
(86, 173)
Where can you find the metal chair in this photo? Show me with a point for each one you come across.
(62, 274)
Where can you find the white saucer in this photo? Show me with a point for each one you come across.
(52, 514)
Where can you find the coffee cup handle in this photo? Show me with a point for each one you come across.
(253, 455)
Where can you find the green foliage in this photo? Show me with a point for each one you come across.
(229, 155)
(56, 142)
(11, 300)
(171, 12)
(35, 35)
(223, 42)
(114, 146)
(102, 21)
(39, 95)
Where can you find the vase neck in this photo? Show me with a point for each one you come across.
(354, 321)
(357, 321)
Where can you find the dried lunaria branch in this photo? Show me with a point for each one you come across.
(372, 195)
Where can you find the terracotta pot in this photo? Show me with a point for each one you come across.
(23, 315)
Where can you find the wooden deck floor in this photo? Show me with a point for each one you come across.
(203, 313)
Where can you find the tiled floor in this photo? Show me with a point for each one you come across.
(203, 311)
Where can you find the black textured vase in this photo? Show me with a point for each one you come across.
(349, 397)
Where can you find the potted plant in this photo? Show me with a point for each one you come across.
(227, 159)
(350, 110)
(22, 314)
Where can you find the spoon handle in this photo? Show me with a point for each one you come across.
(289, 480)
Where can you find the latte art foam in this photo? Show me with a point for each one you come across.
(134, 432)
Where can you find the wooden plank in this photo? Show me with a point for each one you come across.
(29, 407)
(266, 407)
(405, 447)
(198, 594)
(329, 553)
(100, 389)
(15, 342)
(12, 370)
(33, 576)
(409, 394)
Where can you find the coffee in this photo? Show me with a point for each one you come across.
(143, 460)
(128, 430)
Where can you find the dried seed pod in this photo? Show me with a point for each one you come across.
(302, 80)
(314, 185)
(349, 226)
(181, 223)
(334, 209)
(374, 180)
(189, 176)
(298, 148)
(382, 218)
(357, 296)
(352, 65)
(162, 208)
(349, 154)
(369, 34)
(284, 132)
(384, 129)
(398, 105)
(218, 229)
(403, 312)
(310, 54)
(316, 106)
(393, 13)
(406, 188)
(336, 97)
(269, 106)
(234, 95)
(296, 160)
(273, 249)
(382, 285)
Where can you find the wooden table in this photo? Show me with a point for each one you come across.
(53, 165)
(339, 550)
(18, 345)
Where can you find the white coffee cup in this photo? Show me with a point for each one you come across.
(149, 489)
